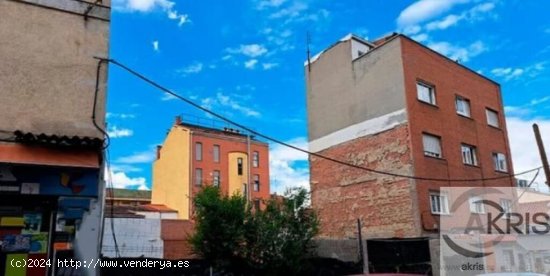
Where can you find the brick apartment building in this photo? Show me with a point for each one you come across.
(395, 105)
(194, 155)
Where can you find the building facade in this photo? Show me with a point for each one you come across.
(126, 197)
(193, 156)
(396, 106)
(51, 192)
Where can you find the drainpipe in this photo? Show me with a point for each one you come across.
(248, 189)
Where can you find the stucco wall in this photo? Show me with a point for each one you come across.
(171, 172)
(48, 73)
(342, 92)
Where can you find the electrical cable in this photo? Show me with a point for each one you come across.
(274, 140)
(107, 140)
(111, 187)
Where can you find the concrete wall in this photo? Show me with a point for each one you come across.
(48, 73)
(135, 237)
(342, 92)
(171, 173)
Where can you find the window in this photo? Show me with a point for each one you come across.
(256, 183)
(439, 203)
(198, 151)
(255, 159)
(462, 106)
(256, 204)
(239, 166)
(522, 183)
(469, 155)
(506, 205)
(499, 160)
(492, 117)
(432, 145)
(216, 154)
(426, 93)
(476, 206)
(198, 176)
(216, 178)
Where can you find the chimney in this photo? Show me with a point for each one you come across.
(158, 151)
(178, 120)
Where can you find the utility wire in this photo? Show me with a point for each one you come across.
(112, 194)
(168, 91)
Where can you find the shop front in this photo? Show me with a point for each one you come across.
(43, 202)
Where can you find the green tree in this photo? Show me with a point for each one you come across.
(219, 227)
(279, 237)
(272, 241)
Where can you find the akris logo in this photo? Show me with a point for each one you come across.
(498, 223)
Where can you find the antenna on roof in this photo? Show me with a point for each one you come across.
(308, 41)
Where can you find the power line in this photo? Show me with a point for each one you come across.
(168, 91)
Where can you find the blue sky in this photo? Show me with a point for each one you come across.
(244, 59)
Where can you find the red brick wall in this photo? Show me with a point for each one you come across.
(175, 234)
(450, 79)
(341, 194)
(226, 146)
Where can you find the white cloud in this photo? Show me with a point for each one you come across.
(525, 154)
(120, 115)
(120, 180)
(267, 66)
(138, 157)
(525, 110)
(156, 45)
(476, 13)
(251, 64)
(115, 132)
(224, 101)
(168, 97)
(420, 37)
(411, 30)
(145, 6)
(424, 10)
(293, 10)
(510, 73)
(462, 54)
(250, 50)
(448, 21)
(288, 167)
(269, 4)
(191, 69)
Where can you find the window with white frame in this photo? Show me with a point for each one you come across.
(462, 106)
(216, 178)
(499, 161)
(439, 203)
(216, 153)
(255, 159)
(198, 151)
(506, 205)
(476, 205)
(198, 176)
(492, 117)
(432, 145)
(469, 155)
(425, 93)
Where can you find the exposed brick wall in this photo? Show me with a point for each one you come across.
(341, 194)
(175, 234)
